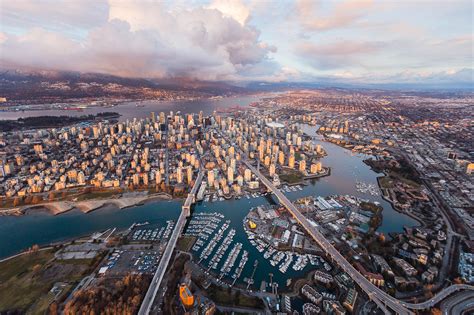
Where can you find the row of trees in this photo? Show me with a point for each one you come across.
(120, 297)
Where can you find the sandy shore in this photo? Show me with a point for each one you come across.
(58, 207)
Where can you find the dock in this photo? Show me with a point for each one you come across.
(250, 280)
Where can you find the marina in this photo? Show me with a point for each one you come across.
(221, 250)
(367, 188)
(142, 232)
(211, 221)
(238, 270)
(213, 242)
(230, 261)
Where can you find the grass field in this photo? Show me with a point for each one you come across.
(43, 303)
(386, 182)
(291, 177)
(404, 180)
(25, 281)
(224, 297)
(185, 243)
(17, 284)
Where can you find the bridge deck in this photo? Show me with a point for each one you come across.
(165, 259)
(382, 299)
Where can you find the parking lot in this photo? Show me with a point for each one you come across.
(124, 261)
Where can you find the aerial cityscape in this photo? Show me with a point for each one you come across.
(236, 157)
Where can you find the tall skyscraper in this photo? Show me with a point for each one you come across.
(248, 175)
(272, 169)
(281, 158)
(267, 161)
(179, 175)
(291, 161)
(189, 174)
(302, 166)
(210, 177)
(316, 167)
(230, 174)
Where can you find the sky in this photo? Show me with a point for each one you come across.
(378, 41)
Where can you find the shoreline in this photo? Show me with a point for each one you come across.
(307, 178)
(89, 205)
(383, 174)
(409, 214)
(382, 195)
(86, 206)
(25, 252)
(52, 245)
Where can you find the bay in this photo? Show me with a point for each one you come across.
(141, 109)
(38, 227)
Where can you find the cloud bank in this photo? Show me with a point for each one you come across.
(242, 40)
(343, 14)
(141, 38)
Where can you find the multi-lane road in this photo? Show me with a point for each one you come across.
(166, 257)
(160, 271)
(385, 302)
(192, 194)
(439, 297)
(461, 303)
(331, 251)
(380, 297)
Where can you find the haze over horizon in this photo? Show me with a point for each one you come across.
(237, 40)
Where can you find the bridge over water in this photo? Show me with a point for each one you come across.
(166, 257)
(383, 300)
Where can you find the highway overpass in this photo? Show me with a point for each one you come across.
(440, 296)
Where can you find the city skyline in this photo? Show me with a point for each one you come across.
(425, 42)
(345, 201)
(236, 157)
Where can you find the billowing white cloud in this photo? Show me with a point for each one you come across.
(237, 39)
(38, 48)
(235, 9)
(140, 15)
(143, 38)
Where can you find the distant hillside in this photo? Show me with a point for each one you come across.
(72, 77)
(205, 86)
(49, 85)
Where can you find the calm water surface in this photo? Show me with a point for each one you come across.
(130, 110)
(40, 227)
(18, 233)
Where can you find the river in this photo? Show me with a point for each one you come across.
(19, 233)
(130, 110)
(346, 170)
